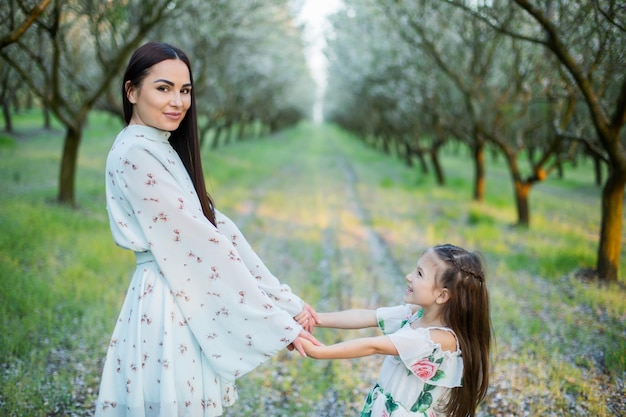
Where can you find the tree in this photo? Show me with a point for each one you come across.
(443, 76)
(18, 17)
(249, 66)
(522, 70)
(72, 56)
(494, 79)
(587, 40)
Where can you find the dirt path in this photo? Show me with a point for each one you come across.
(308, 221)
(322, 189)
(379, 250)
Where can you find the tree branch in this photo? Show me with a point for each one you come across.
(30, 19)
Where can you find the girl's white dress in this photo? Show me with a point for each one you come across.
(201, 310)
(413, 383)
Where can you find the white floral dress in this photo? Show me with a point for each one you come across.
(413, 383)
(201, 309)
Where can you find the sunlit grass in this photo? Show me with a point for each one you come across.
(56, 308)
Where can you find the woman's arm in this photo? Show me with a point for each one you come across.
(348, 319)
(355, 348)
(280, 293)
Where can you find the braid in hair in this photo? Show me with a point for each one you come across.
(459, 258)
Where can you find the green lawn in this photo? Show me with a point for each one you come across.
(340, 223)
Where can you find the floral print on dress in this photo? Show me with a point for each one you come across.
(428, 369)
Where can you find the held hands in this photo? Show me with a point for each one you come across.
(304, 339)
(307, 318)
(309, 348)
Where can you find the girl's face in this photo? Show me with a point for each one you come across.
(164, 96)
(422, 286)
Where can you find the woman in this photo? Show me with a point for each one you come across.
(202, 309)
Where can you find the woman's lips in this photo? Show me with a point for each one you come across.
(173, 116)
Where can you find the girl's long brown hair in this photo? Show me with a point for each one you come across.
(467, 314)
(184, 140)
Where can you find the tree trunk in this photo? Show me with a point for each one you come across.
(479, 171)
(522, 190)
(407, 153)
(385, 138)
(434, 159)
(597, 164)
(229, 134)
(611, 228)
(68, 165)
(423, 164)
(47, 124)
(242, 129)
(398, 147)
(203, 131)
(6, 112)
(559, 170)
(216, 137)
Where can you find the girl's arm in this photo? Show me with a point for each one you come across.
(349, 349)
(348, 319)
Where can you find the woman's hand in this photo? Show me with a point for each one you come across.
(307, 318)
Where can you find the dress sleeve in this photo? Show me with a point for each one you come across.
(425, 359)
(391, 319)
(280, 293)
(235, 322)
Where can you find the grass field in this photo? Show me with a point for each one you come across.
(341, 224)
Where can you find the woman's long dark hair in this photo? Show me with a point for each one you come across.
(184, 140)
(467, 314)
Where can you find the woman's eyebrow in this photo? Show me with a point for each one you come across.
(171, 84)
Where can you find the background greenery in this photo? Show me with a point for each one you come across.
(539, 80)
(341, 224)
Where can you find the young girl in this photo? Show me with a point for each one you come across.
(425, 374)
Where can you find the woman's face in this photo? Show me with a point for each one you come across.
(164, 96)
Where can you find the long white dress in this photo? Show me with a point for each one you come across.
(414, 383)
(201, 310)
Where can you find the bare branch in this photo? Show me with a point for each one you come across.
(494, 23)
(20, 30)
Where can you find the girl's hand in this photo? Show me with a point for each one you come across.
(298, 343)
(309, 348)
